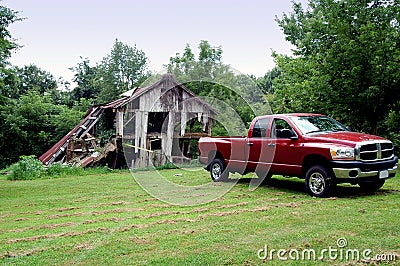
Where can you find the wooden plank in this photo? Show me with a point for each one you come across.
(170, 135)
(138, 125)
(143, 140)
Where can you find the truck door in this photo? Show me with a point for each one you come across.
(259, 155)
(284, 141)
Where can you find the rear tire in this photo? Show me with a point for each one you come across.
(265, 176)
(371, 186)
(319, 181)
(218, 170)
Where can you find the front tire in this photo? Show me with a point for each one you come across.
(319, 181)
(217, 170)
(371, 186)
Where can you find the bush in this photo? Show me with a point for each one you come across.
(27, 168)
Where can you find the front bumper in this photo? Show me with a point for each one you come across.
(358, 170)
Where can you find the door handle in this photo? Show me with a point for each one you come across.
(250, 143)
(271, 144)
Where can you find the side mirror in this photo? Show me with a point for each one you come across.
(288, 134)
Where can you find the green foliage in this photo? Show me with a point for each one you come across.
(167, 165)
(265, 82)
(123, 69)
(392, 125)
(85, 77)
(31, 124)
(346, 62)
(7, 44)
(57, 170)
(32, 78)
(27, 168)
(236, 97)
(30, 168)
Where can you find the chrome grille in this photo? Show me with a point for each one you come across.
(374, 151)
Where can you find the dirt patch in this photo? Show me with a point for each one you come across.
(52, 236)
(32, 212)
(31, 252)
(67, 209)
(83, 247)
(233, 205)
(140, 240)
(94, 213)
(22, 219)
(44, 226)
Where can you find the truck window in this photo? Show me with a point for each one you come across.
(260, 128)
(279, 126)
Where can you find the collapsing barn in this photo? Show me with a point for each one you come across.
(154, 125)
(159, 122)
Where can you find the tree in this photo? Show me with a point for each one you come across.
(7, 45)
(31, 124)
(32, 78)
(123, 69)
(209, 77)
(265, 82)
(85, 78)
(346, 61)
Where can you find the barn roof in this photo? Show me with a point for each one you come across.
(166, 82)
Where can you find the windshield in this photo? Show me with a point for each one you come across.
(313, 124)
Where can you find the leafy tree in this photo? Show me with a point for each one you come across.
(208, 76)
(32, 78)
(346, 61)
(7, 45)
(32, 124)
(265, 82)
(123, 69)
(85, 78)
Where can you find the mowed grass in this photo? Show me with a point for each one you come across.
(110, 219)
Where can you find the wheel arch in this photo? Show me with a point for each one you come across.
(214, 154)
(313, 160)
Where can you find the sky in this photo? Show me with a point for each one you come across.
(55, 34)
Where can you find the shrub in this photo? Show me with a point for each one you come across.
(27, 168)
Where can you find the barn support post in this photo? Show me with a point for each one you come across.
(144, 155)
(119, 123)
(169, 136)
(183, 123)
(138, 126)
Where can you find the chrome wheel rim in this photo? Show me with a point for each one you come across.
(316, 183)
(216, 170)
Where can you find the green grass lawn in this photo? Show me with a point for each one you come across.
(110, 219)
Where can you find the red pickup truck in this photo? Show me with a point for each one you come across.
(314, 147)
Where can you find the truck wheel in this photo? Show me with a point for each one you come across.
(319, 182)
(371, 186)
(217, 170)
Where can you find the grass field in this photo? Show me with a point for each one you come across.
(110, 219)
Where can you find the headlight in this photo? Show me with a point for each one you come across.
(342, 153)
